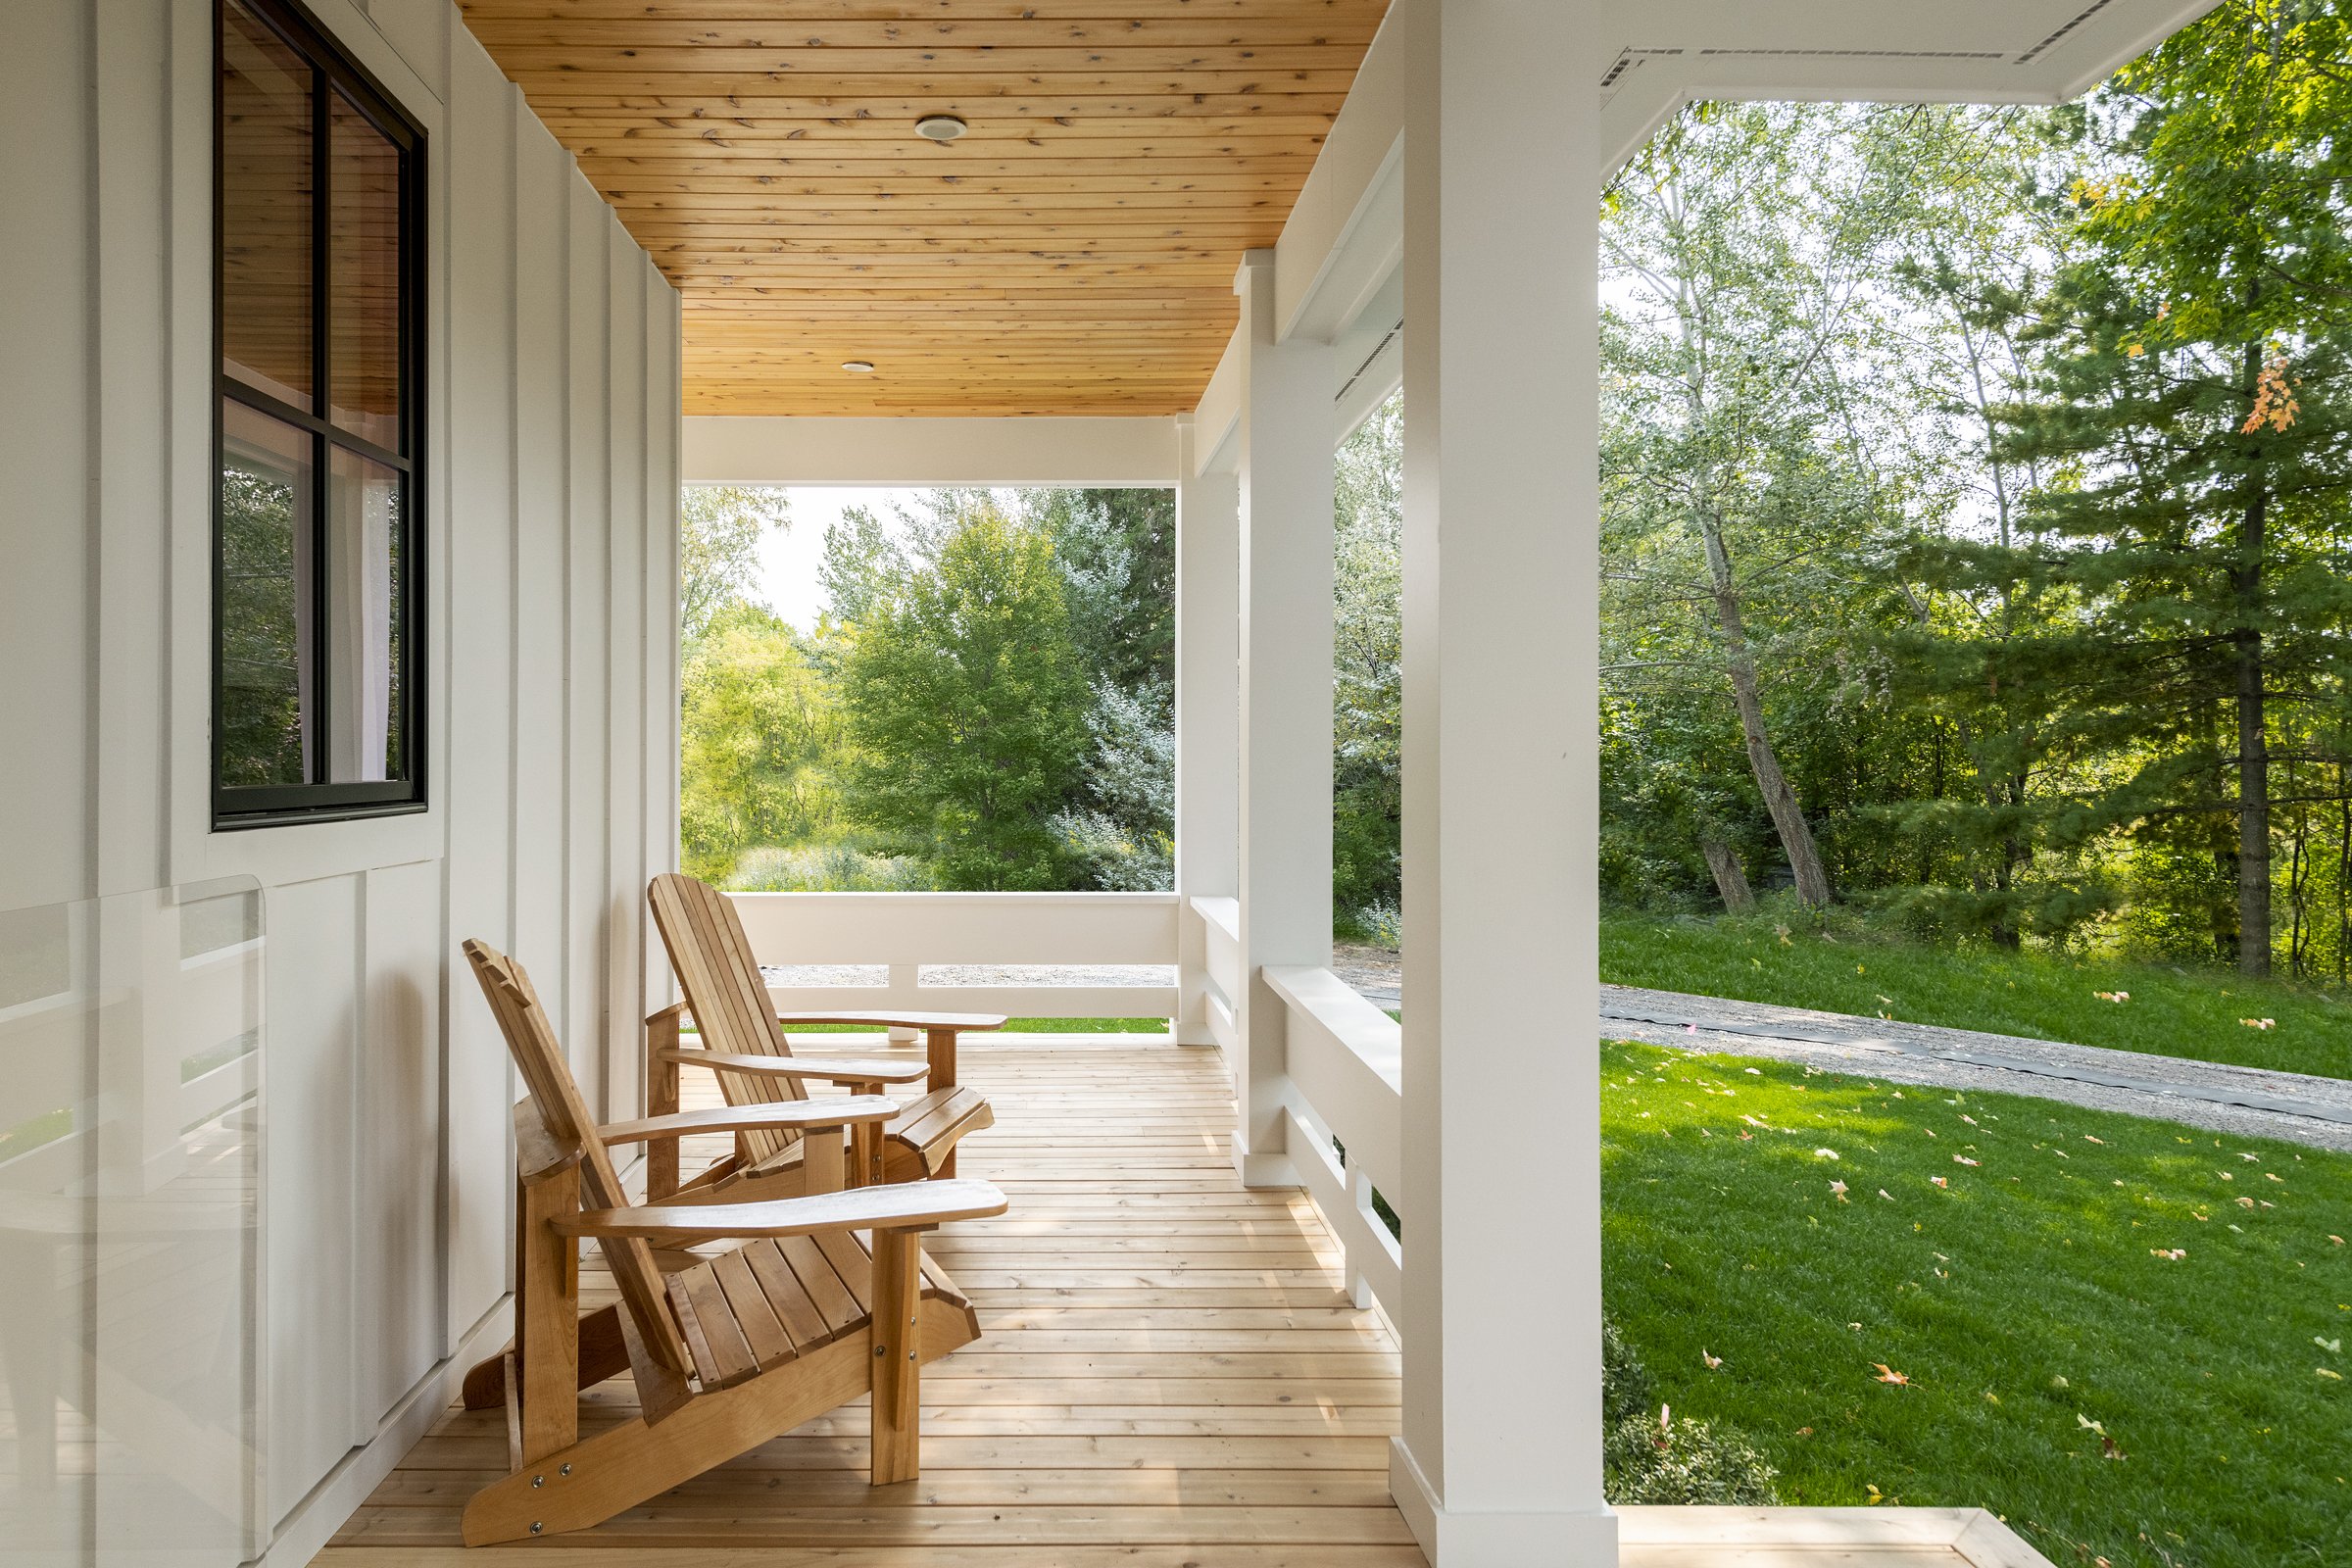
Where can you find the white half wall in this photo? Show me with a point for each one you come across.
(741, 449)
(551, 471)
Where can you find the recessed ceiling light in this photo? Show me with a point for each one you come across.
(940, 127)
(858, 367)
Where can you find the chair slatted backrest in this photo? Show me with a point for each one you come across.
(565, 1115)
(723, 990)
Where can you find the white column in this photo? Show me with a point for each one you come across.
(1284, 454)
(1207, 714)
(1500, 1459)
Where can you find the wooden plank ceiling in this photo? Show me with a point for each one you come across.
(1072, 254)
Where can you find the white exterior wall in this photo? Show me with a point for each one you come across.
(551, 477)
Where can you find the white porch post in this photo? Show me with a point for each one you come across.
(1285, 448)
(1207, 712)
(1500, 1459)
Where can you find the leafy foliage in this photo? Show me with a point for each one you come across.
(966, 706)
(985, 701)
(1977, 508)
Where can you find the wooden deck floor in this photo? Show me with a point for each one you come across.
(1169, 1375)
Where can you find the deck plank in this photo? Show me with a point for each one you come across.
(1169, 1374)
(1167, 1363)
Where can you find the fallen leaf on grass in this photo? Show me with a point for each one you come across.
(2260, 1023)
(2113, 996)
(1940, 1181)
(1838, 1188)
(2337, 1240)
(1825, 1153)
(1713, 1362)
(2087, 1138)
(1884, 1193)
(1887, 1374)
(2331, 1376)
(2331, 1347)
(1962, 1160)
(2175, 1254)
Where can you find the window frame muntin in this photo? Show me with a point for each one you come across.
(334, 71)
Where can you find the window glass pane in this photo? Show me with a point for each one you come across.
(265, 600)
(366, 588)
(364, 277)
(266, 184)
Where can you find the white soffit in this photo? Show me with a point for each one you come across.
(749, 449)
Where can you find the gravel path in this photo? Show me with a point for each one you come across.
(2242, 1101)
(2246, 1101)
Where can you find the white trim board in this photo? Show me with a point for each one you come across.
(750, 449)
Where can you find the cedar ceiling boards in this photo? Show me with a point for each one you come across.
(1073, 254)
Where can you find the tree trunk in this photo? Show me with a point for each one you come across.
(1779, 796)
(2253, 810)
(1731, 878)
(2253, 745)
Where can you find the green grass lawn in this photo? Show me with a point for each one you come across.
(2032, 1294)
(2170, 1011)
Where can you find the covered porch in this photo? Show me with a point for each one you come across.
(1201, 1342)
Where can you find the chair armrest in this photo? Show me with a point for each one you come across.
(827, 1070)
(805, 1115)
(900, 1020)
(902, 1205)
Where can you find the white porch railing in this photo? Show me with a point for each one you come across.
(1343, 1054)
(1346, 1093)
(906, 933)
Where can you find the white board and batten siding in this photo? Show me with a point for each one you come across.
(550, 484)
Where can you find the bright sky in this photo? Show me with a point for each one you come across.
(788, 561)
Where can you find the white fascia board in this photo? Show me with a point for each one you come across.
(1857, 51)
(1219, 413)
(744, 449)
(1346, 233)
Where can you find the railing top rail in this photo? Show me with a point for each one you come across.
(1222, 913)
(1374, 1037)
(1032, 900)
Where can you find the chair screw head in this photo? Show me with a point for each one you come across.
(538, 1481)
(563, 1469)
(537, 1526)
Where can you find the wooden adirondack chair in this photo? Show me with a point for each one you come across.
(727, 1351)
(743, 1043)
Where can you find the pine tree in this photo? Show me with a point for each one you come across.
(2197, 429)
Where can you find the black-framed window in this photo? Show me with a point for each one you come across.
(318, 562)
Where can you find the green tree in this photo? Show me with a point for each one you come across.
(719, 530)
(968, 705)
(2197, 423)
(1367, 669)
(759, 741)
(1740, 490)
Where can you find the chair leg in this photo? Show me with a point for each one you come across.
(602, 1355)
(898, 1366)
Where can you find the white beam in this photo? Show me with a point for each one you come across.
(1500, 1459)
(1284, 447)
(741, 449)
(1344, 233)
(1207, 712)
